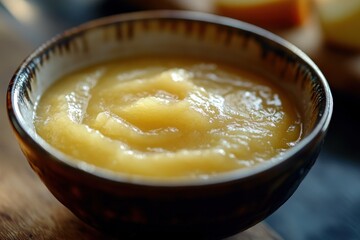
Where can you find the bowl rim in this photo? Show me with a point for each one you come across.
(18, 123)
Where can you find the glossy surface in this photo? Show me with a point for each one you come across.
(168, 117)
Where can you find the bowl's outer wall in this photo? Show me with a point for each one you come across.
(221, 208)
(218, 209)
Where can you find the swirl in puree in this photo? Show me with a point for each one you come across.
(167, 117)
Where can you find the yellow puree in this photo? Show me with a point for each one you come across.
(165, 117)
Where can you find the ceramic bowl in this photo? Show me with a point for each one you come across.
(220, 206)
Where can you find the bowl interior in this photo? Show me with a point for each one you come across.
(169, 34)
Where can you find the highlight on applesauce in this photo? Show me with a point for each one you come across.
(167, 117)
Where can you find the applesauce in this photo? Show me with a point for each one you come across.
(167, 117)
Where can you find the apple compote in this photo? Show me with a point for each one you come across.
(167, 117)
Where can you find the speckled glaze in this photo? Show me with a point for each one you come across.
(220, 206)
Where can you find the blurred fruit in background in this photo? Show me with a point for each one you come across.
(340, 21)
(266, 13)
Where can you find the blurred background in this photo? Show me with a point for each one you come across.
(327, 203)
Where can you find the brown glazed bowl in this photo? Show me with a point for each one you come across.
(123, 205)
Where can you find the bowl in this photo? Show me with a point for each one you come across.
(123, 205)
